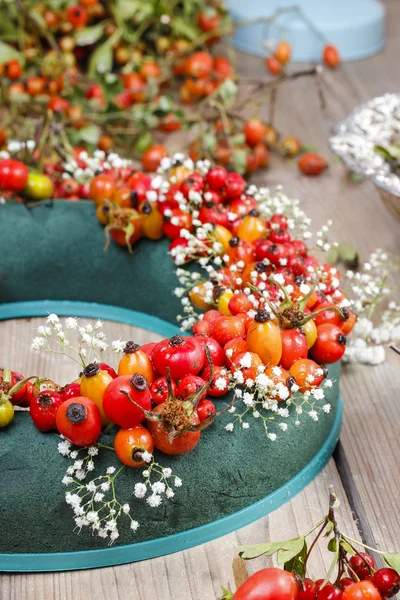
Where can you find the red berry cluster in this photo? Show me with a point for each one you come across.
(165, 383)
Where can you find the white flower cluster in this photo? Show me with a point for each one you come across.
(86, 166)
(95, 503)
(81, 341)
(269, 398)
(377, 326)
(158, 482)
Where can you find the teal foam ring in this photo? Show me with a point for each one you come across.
(112, 556)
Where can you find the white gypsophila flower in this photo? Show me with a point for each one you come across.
(134, 525)
(245, 425)
(140, 490)
(158, 487)
(93, 451)
(52, 319)
(126, 509)
(147, 456)
(64, 447)
(91, 486)
(229, 427)
(110, 470)
(167, 472)
(71, 323)
(177, 482)
(98, 497)
(154, 500)
(105, 486)
(67, 480)
(272, 436)
(118, 346)
(37, 343)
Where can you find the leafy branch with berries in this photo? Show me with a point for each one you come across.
(352, 570)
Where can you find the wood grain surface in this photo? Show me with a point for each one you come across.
(370, 437)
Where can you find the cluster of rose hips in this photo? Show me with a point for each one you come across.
(278, 60)
(372, 584)
(257, 139)
(162, 383)
(363, 582)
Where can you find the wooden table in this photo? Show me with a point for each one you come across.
(366, 467)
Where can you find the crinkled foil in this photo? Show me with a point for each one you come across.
(373, 123)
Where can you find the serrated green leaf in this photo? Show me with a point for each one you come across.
(296, 564)
(89, 35)
(256, 550)
(101, 60)
(7, 53)
(393, 560)
(290, 549)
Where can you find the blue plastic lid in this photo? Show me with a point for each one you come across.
(355, 27)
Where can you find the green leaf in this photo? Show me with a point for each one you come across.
(238, 160)
(332, 257)
(209, 141)
(227, 594)
(348, 549)
(227, 91)
(89, 134)
(296, 564)
(286, 549)
(393, 560)
(238, 139)
(290, 550)
(256, 550)
(186, 28)
(164, 104)
(348, 255)
(89, 35)
(7, 53)
(356, 177)
(143, 142)
(101, 59)
(333, 545)
(335, 560)
(309, 148)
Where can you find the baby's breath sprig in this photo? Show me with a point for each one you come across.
(158, 480)
(269, 400)
(95, 503)
(79, 340)
(369, 295)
